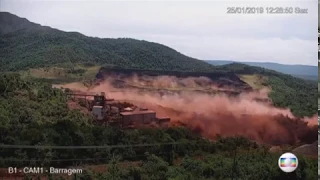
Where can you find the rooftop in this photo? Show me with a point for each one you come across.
(137, 112)
(98, 107)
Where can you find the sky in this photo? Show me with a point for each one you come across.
(200, 29)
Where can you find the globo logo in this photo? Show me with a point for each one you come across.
(288, 162)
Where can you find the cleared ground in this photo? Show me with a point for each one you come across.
(255, 81)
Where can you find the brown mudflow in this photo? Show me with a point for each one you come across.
(248, 114)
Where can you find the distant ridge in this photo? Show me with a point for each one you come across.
(301, 71)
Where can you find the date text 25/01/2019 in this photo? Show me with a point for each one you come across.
(266, 10)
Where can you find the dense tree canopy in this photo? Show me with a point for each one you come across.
(45, 46)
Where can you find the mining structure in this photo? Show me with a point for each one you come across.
(110, 112)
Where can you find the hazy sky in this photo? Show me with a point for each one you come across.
(200, 29)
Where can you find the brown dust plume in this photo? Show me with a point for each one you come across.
(211, 115)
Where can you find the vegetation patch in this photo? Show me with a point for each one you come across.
(60, 75)
(256, 81)
(287, 91)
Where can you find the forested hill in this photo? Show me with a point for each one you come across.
(27, 45)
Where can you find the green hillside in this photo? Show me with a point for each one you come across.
(44, 46)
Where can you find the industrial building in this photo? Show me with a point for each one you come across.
(98, 112)
(138, 117)
(106, 111)
(163, 121)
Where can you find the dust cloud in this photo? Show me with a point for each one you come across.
(212, 115)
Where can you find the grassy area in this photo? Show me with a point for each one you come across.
(58, 75)
(256, 81)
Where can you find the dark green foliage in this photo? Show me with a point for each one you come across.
(256, 165)
(298, 95)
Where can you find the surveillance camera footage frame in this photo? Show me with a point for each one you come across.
(206, 114)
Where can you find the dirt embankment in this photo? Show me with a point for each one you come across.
(210, 115)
